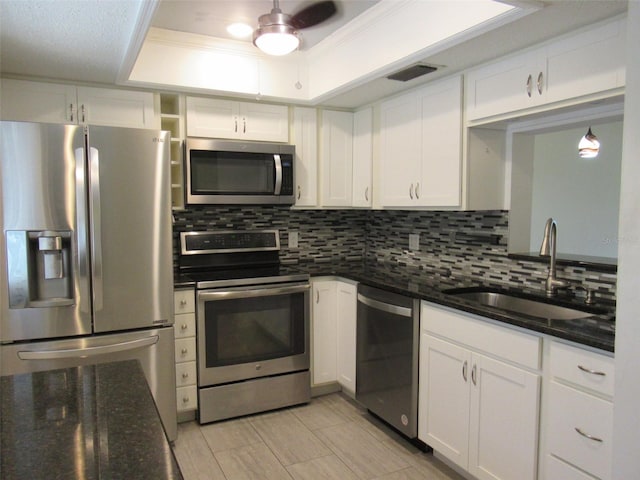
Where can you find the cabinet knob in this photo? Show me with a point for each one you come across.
(183, 327)
(529, 86)
(185, 375)
(540, 83)
(592, 372)
(184, 351)
(185, 399)
(590, 437)
(183, 303)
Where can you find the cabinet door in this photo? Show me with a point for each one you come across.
(336, 159)
(441, 133)
(362, 158)
(116, 108)
(38, 102)
(503, 432)
(590, 62)
(399, 151)
(324, 331)
(262, 122)
(346, 303)
(207, 117)
(305, 137)
(444, 393)
(506, 86)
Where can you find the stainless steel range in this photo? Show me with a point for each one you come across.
(252, 320)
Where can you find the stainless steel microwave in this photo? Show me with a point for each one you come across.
(231, 172)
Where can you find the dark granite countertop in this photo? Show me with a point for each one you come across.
(89, 422)
(597, 331)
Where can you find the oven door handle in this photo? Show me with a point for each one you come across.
(246, 293)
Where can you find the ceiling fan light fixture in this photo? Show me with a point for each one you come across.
(276, 39)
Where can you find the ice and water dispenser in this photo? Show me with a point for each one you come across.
(39, 268)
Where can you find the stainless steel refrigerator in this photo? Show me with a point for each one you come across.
(86, 255)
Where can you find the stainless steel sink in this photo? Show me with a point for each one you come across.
(511, 303)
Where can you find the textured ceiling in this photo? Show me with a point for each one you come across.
(66, 39)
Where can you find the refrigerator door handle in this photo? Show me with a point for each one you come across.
(82, 219)
(96, 230)
(87, 351)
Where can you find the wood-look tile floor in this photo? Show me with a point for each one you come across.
(329, 438)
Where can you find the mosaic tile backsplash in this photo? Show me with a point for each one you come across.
(452, 244)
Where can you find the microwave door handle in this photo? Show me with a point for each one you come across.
(278, 163)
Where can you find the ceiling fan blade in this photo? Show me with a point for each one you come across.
(313, 14)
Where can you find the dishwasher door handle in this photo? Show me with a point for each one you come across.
(385, 307)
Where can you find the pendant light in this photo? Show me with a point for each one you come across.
(589, 145)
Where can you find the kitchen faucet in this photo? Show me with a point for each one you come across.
(548, 249)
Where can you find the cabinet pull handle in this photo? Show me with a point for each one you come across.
(84, 116)
(366, 194)
(235, 128)
(418, 191)
(411, 191)
(299, 192)
(464, 370)
(473, 375)
(71, 112)
(317, 296)
(590, 437)
(529, 85)
(244, 125)
(540, 82)
(592, 372)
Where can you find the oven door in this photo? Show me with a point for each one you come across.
(251, 332)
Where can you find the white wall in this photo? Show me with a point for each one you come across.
(564, 183)
(626, 428)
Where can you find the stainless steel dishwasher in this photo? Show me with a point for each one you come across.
(387, 357)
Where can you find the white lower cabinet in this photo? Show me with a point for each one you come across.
(579, 420)
(185, 351)
(333, 313)
(479, 394)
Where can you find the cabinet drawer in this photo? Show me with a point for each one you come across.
(184, 301)
(185, 374)
(185, 325)
(502, 342)
(557, 469)
(571, 410)
(185, 349)
(187, 398)
(584, 368)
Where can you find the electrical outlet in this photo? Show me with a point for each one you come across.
(293, 239)
(414, 241)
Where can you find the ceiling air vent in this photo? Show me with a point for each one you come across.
(414, 71)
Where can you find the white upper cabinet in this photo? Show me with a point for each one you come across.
(589, 62)
(362, 157)
(420, 147)
(336, 158)
(305, 138)
(53, 103)
(215, 118)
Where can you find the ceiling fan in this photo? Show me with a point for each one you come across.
(277, 32)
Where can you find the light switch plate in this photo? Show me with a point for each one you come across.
(293, 239)
(414, 241)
